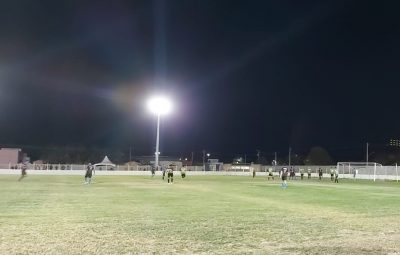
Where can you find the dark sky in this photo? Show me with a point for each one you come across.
(244, 75)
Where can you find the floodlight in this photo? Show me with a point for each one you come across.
(160, 105)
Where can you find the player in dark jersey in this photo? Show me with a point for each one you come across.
(89, 172)
(320, 173)
(163, 172)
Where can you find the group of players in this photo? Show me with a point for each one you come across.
(292, 174)
(284, 173)
(170, 173)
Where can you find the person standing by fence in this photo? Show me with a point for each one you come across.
(170, 174)
(320, 173)
(336, 176)
(284, 178)
(23, 171)
(89, 172)
(270, 174)
(183, 172)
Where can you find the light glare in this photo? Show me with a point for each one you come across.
(160, 105)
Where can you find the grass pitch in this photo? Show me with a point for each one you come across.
(197, 215)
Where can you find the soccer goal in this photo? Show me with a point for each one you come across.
(361, 170)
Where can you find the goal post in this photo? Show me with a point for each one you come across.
(361, 170)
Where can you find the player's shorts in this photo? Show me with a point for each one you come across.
(183, 175)
(170, 175)
(88, 176)
(270, 174)
(23, 172)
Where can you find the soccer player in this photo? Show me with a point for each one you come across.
(309, 173)
(163, 172)
(183, 172)
(153, 171)
(170, 174)
(336, 176)
(284, 177)
(292, 173)
(253, 170)
(320, 173)
(89, 172)
(301, 173)
(332, 173)
(270, 174)
(23, 171)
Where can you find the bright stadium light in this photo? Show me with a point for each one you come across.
(159, 106)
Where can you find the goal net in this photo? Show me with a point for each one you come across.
(361, 170)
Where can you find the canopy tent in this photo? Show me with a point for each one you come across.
(106, 162)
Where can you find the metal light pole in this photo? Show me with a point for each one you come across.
(204, 160)
(157, 141)
(367, 154)
(159, 106)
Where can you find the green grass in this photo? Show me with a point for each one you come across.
(197, 215)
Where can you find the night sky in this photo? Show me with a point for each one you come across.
(244, 75)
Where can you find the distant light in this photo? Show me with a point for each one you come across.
(186, 159)
(160, 105)
(208, 154)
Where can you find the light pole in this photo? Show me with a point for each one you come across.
(204, 159)
(367, 153)
(159, 106)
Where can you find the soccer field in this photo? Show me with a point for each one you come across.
(197, 215)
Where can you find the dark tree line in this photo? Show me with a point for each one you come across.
(75, 155)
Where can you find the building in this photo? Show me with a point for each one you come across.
(394, 142)
(213, 165)
(148, 160)
(11, 156)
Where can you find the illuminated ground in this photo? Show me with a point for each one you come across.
(197, 215)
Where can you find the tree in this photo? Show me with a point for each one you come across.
(318, 156)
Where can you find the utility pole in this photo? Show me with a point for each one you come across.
(276, 158)
(258, 156)
(192, 157)
(245, 158)
(204, 159)
(290, 151)
(130, 154)
(367, 158)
